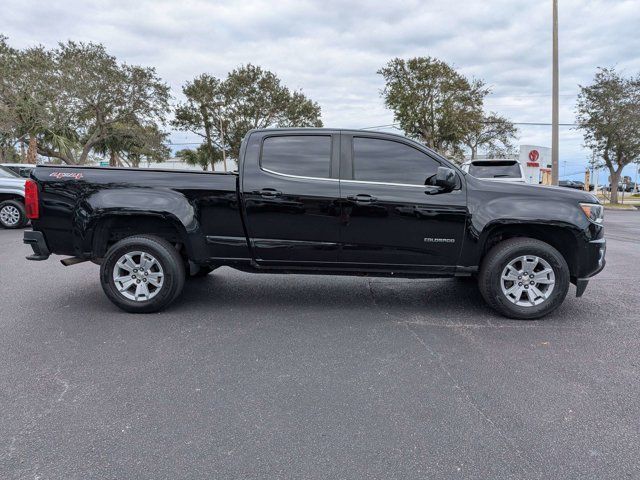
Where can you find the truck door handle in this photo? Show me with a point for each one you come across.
(269, 193)
(362, 198)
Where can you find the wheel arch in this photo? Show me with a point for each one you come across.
(103, 217)
(4, 196)
(111, 228)
(559, 237)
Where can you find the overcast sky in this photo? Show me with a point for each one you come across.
(332, 49)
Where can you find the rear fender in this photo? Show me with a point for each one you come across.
(165, 204)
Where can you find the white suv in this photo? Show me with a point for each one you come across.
(498, 170)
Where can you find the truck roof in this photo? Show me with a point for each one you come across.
(353, 131)
(324, 129)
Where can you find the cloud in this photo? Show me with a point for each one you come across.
(332, 49)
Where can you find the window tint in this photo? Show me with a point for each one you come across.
(302, 155)
(376, 160)
(495, 169)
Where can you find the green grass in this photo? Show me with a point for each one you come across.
(621, 206)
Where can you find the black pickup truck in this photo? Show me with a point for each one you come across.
(319, 201)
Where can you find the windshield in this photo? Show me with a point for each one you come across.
(495, 169)
(6, 173)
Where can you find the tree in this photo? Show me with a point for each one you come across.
(8, 135)
(222, 111)
(8, 153)
(30, 100)
(128, 143)
(199, 115)
(608, 112)
(150, 144)
(494, 133)
(65, 101)
(432, 102)
(201, 156)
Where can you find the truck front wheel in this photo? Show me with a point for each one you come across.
(142, 274)
(524, 278)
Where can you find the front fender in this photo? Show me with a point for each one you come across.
(487, 214)
(517, 209)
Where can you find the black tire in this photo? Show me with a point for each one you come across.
(166, 255)
(202, 272)
(489, 279)
(13, 206)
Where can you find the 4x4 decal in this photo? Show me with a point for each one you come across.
(58, 175)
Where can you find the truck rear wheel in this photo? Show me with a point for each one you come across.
(142, 274)
(524, 278)
(12, 214)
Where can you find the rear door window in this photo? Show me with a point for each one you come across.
(298, 155)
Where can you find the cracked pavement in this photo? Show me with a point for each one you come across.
(263, 376)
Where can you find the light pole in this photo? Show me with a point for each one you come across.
(554, 102)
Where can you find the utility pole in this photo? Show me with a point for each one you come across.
(554, 105)
(224, 154)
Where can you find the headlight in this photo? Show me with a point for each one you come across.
(593, 211)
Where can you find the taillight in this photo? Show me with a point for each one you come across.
(31, 200)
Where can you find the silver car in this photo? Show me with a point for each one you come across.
(12, 212)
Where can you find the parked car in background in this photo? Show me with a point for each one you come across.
(320, 201)
(12, 212)
(498, 170)
(22, 169)
(622, 187)
(577, 184)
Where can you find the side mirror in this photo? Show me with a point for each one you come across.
(446, 178)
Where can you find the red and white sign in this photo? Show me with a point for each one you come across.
(532, 157)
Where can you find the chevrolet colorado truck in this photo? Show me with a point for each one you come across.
(319, 201)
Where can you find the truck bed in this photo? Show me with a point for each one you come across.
(74, 200)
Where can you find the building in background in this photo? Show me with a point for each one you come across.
(536, 163)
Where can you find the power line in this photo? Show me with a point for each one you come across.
(545, 124)
(536, 95)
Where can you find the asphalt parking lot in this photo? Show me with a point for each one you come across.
(261, 376)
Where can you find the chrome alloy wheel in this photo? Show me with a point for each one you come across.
(527, 280)
(9, 215)
(138, 276)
